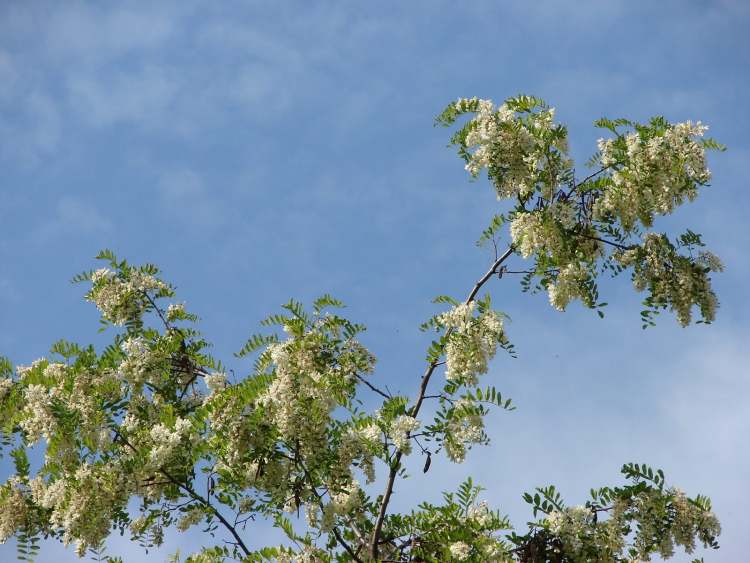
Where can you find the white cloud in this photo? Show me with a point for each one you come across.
(143, 96)
(185, 197)
(30, 121)
(73, 217)
(90, 33)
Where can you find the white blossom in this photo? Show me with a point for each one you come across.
(6, 384)
(13, 508)
(480, 513)
(465, 427)
(472, 343)
(460, 550)
(167, 441)
(121, 300)
(400, 428)
(39, 421)
(175, 311)
(657, 174)
(190, 518)
(568, 285)
(215, 382)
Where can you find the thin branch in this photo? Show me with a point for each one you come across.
(339, 538)
(189, 490)
(605, 241)
(158, 310)
(587, 178)
(372, 387)
(396, 465)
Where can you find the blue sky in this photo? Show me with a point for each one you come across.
(261, 151)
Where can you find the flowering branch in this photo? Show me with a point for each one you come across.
(396, 463)
(139, 419)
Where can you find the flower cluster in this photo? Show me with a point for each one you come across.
(360, 447)
(460, 550)
(6, 384)
(175, 311)
(310, 380)
(190, 518)
(167, 441)
(38, 421)
(572, 527)
(661, 520)
(84, 504)
(546, 231)
(215, 382)
(140, 363)
(465, 427)
(13, 508)
(400, 428)
(654, 171)
(122, 298)
(472, 342)
(520, 148)
(674, 281)
(569, 284)
(344, 499)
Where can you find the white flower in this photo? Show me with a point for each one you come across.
(512, 149)
(568, 285)
(460, 550)
(13, 508)
(102, 274)
(659, 174)
(22, 371)
(371, 433)
(480, 513)
(346, 499)
(472, 342)
(167, 441)
(175, 311)
(122, 300)
(215, 382)
(6, 384)
(401, 426)
(39, 421)
(190, 518)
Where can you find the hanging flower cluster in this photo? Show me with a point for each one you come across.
(472, 341)
(401, 426)
(465, 427)
(673, 280)
(654, 170)
(519, 148)
(122, 298)
(659, 519)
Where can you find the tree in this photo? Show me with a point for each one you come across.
(153, 419)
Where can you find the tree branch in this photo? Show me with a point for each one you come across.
(372, 387)
(396, 465)
(586, 179)
(195, 496)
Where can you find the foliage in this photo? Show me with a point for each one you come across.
(153, 417)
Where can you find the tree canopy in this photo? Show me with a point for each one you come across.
(149, 432)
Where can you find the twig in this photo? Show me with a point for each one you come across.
(371, 386)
